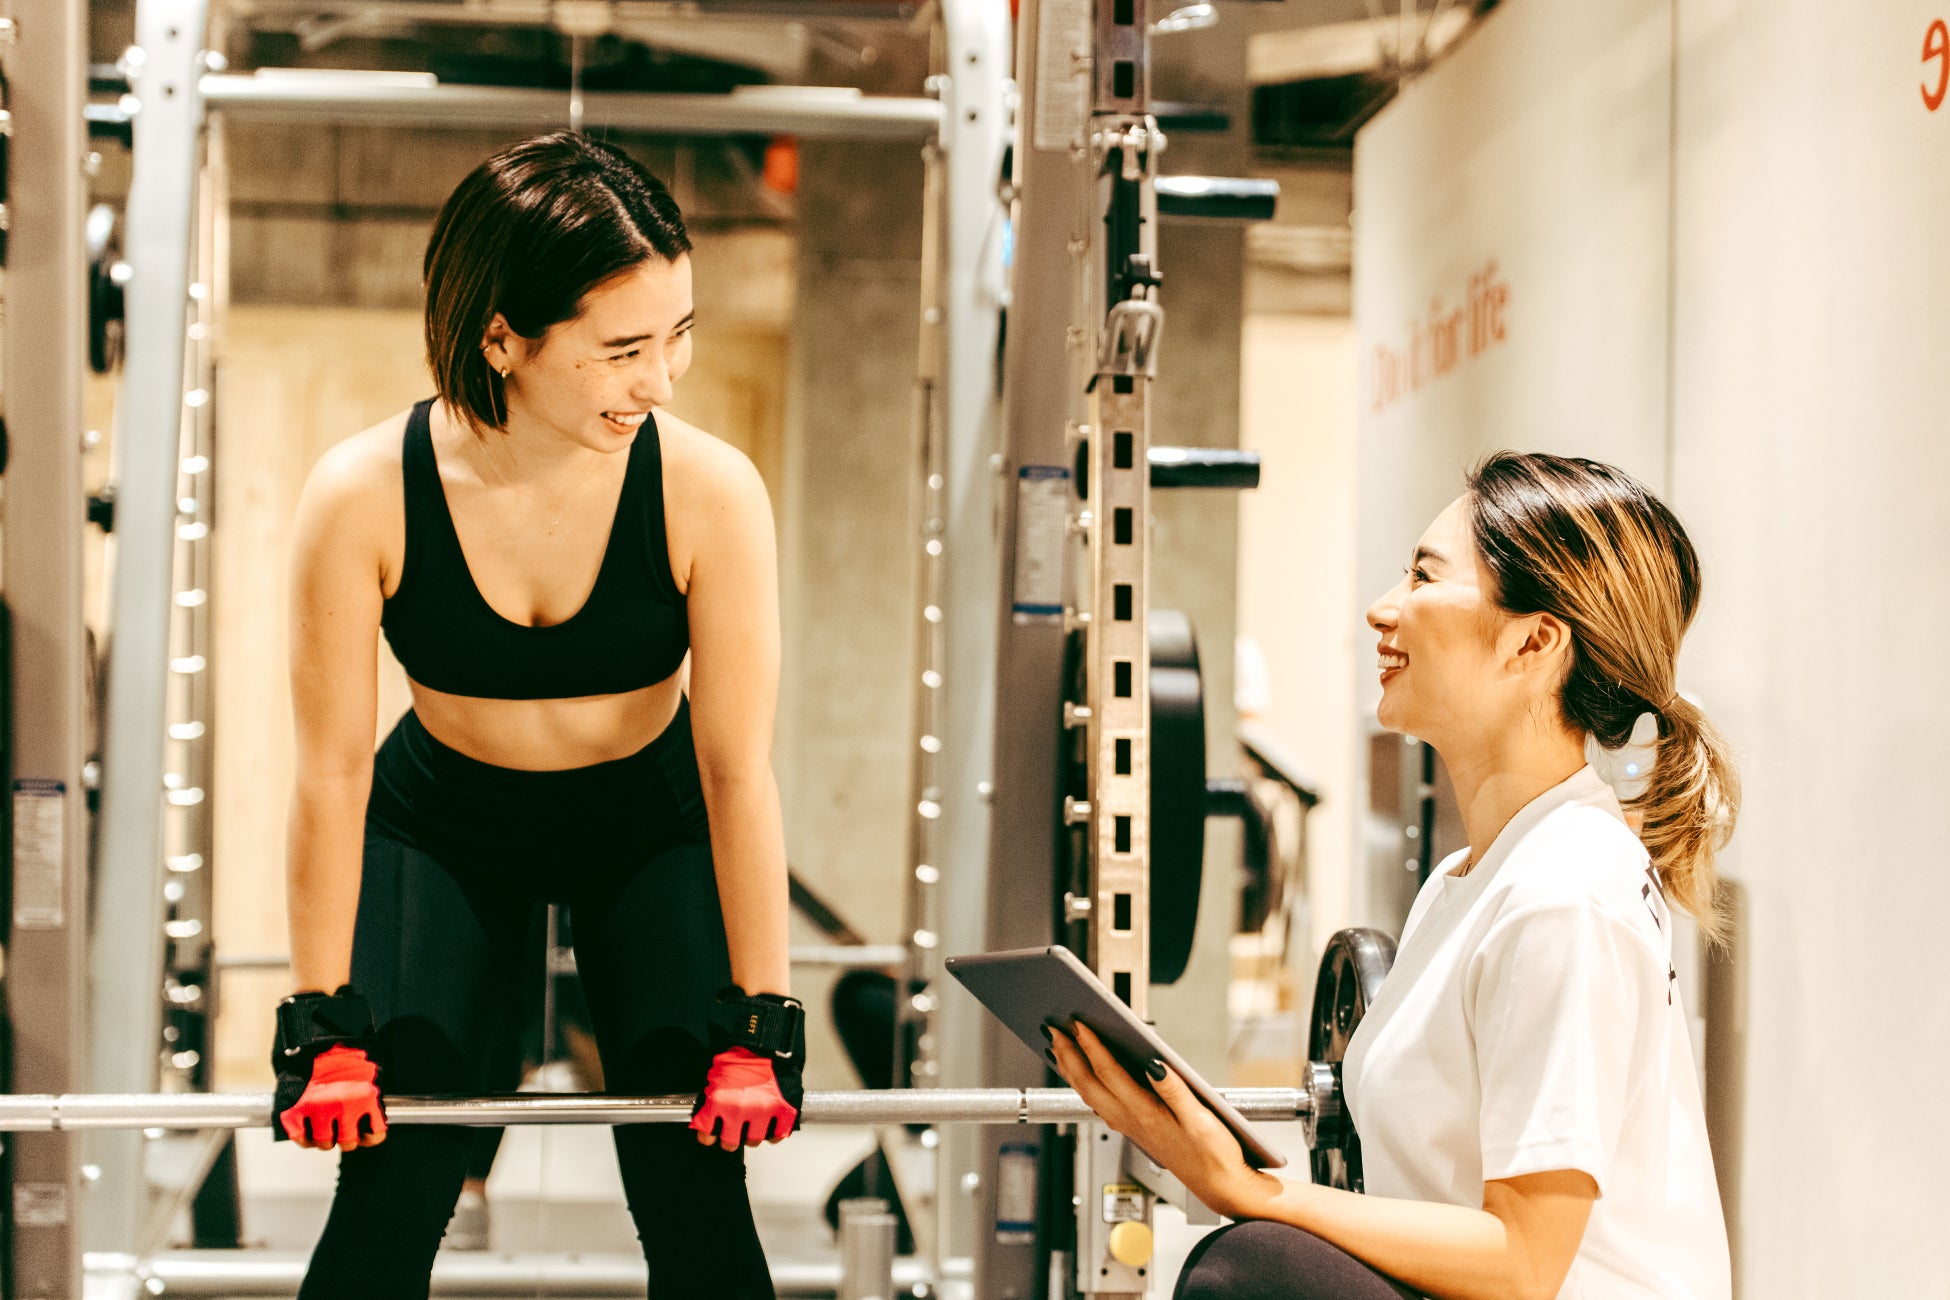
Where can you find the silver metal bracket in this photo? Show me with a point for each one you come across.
(1129, 345)
(1166, 1186)
(1113, 1217)
(1138, 140)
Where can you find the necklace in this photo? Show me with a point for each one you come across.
(567, 497)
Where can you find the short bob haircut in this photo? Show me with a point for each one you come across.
(527, 234)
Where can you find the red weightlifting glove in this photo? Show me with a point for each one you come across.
(754, 1091)
(745, 1101)
(340, 1106)
(328, 1083)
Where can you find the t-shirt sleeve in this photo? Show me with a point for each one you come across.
(1558, 997)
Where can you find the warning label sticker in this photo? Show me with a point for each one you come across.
(1042, 531)
(1123, 1203)
(40, 1205)
(1062, 74)
(40, 854)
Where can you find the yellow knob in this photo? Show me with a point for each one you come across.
(1130, 1244)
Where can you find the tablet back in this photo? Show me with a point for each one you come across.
(1027, 988)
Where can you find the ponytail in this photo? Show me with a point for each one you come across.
(1690, 801)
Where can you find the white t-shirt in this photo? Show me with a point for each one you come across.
(1532, 1023)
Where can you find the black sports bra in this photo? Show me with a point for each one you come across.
(632, 632)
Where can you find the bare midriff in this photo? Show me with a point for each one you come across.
(549, 735)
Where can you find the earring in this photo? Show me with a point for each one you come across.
(496, 402)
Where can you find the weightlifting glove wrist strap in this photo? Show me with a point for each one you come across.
(312, 1023)
(767, 1024)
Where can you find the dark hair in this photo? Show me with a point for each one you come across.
(527, 234)
(1587, 543)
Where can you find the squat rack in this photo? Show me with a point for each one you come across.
(57, 962)
(964, 128)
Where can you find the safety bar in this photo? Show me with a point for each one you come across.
(842, 956)
(1275, 761)
(1203, 467)
(1217, 198)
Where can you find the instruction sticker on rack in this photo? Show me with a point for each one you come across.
(1042, 525)
(40, 854)
(1123, 1203)
(1015, 1195)
(1062, 74)
(40, 1205)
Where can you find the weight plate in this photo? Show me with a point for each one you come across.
(1177, 792)
(1351, 972)
(105, 306)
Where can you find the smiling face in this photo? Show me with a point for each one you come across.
(1448, 656)
(593, 378)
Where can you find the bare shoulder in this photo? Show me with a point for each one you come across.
(701, 469)
(713, 495)
(355, 494)
(365, 465)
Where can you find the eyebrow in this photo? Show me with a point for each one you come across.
(686, 323)
(1429, 553)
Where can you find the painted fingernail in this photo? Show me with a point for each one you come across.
(1156, 1069)
(1050, 1057)
(1048, 1035)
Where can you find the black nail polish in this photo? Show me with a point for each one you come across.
(1156, 1069)
(1051, 1058)
(1048, 1036)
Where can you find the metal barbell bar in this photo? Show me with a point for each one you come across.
(48, 1112)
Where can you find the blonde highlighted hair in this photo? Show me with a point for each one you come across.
(1588, 544)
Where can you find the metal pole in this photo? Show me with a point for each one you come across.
(975, 59)
(867, 1234)
(465, 1275)
(562, 961)
(127, 942)
(45, 358)
(1009, 900)
(812, 112)
(195, 1110)
(1114, 903)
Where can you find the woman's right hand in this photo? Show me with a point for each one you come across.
(328, 1083)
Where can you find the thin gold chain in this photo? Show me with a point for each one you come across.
(568, 497)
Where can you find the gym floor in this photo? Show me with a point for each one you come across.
(555, 1190)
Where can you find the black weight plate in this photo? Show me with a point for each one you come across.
(1177, 792)
(105, 306)
(1351, 972)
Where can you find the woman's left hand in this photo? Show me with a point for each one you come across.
(1166, 1121)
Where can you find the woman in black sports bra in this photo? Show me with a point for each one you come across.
(545, 554)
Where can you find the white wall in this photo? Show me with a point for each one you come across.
(1812, 413)
(1722, 223)
(1296, 576)
(1533, 167)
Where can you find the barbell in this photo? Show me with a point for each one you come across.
(44, 1112)
(1351, 971)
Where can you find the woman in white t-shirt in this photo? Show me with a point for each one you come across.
(1524, 1085)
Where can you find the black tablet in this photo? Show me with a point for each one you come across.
(1028, 988)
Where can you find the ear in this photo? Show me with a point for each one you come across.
(502, 347)
(1543, 644)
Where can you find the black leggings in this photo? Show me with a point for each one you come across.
(1275, 1261)
(458, 856)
